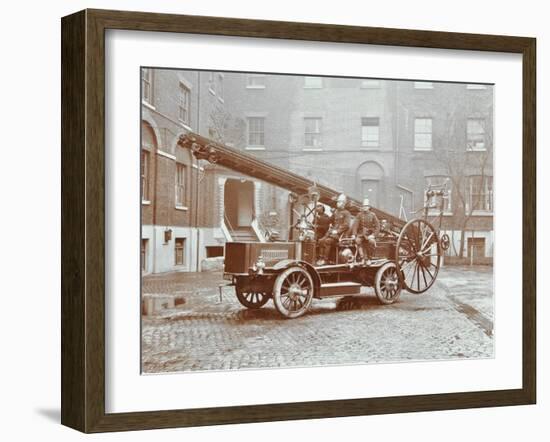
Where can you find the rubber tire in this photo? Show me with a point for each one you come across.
(251, 305)
(378, 281)
(277, 293)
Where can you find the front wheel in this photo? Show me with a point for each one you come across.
(386, 284)
(293, 292)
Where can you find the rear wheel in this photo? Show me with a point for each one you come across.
(251, 299)
(418, 256)
(386, 284)
(293, 292)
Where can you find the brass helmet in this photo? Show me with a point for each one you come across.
(346, 255)
(341, 201)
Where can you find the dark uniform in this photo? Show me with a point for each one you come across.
(322, 224)
(365, 225)
(340, 221)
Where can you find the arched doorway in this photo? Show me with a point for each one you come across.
(239, 203)
(370, 176)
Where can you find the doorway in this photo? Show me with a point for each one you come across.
(370, 190)
(239, 203)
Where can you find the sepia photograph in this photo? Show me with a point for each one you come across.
(307, 221)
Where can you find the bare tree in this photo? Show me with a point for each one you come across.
(465, 150)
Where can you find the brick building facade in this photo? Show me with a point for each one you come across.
(388, 140)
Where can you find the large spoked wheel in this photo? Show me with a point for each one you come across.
(418, 256)
(386, 284)
(251, 299)
(293, 292)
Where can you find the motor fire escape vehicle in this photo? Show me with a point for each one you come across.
(408, 255)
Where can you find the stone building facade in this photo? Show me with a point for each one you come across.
(386, 140)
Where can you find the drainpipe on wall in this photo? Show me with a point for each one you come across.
(396, 129)
(155, 202)
(198, 238)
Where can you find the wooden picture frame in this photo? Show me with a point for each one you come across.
(83, 220)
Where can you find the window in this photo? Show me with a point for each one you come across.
(313, 82)
(181, 174)
(435, 203)
(370, 132)
(147, 85)
(144, 246)
(145, 166)
(423, 85)
(422, 134)
(475, 134)
(370, 84)
(219, 86)
(476, 86)
(256, 131)
(480, 194)
(313, 128)
(255, 81)
(184, 103)
(179, 251)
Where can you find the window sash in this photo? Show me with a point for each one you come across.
(475, 134)
(146, 82)
(423, 134)
(370, 132)
(144, 175)
(370, 84)
(256, 128)
(313, 82)
(474, 86)
(256, 80)
(313, 132)
(180, 184)
(184, 103)
(480, 194)
(423, 85)
(178, 251)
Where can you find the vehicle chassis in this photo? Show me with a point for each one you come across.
(409, 259)
(407, 256)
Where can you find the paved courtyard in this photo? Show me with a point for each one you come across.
(454, 319)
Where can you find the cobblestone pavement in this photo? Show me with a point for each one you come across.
(454, 319)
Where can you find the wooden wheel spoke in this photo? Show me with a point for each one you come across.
(406, 266)
(388, 282)
(430, 273)
(286, 302)
(293, 292)
(412, 272)
(424, 276)
(418, 238)
(427, 241)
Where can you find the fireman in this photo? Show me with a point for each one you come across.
(340, 221)
(322, 221)
(365, 229)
